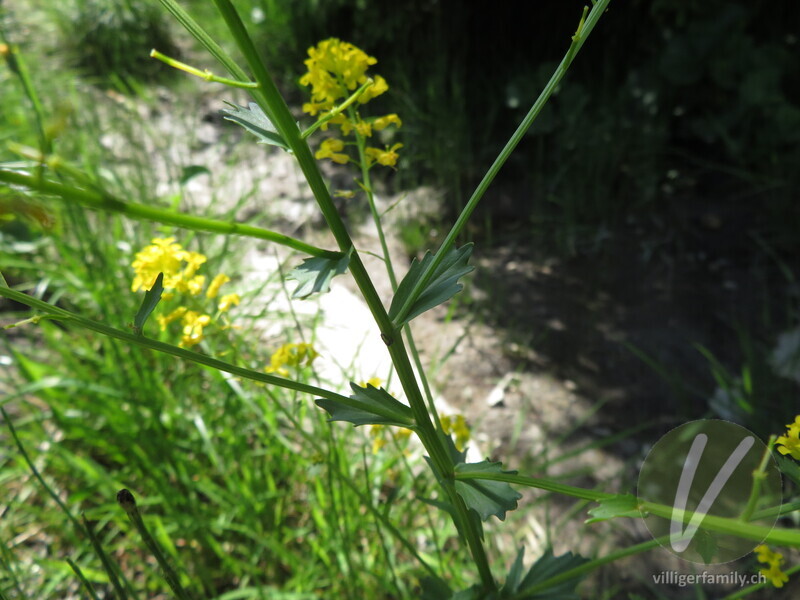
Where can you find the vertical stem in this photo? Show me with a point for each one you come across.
(584, 29)
(275, 107)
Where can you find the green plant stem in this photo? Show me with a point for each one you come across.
(735, 527)
(128, 503)
(542, 484)
(338, 110)
(206, 74)
(103, 201)
(275, 107)
(16, 65)
(782, 537)
(200, 34)
(108, 566)
(387, 259)
(776, 511)
(577, 42)
(758, 477)
(35, 472)
(139, 340)
(88, 586)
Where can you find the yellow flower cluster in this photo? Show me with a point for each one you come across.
(457, 425)
(335, 70)
(164, 255)
(291, 355)
(774, 560)
(180, 267)
(790, 443)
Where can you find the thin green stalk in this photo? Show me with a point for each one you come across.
(35, 472)
(77, 570)
(128, 503)
(276, 108)
(577, 42)
(139, 340)
(758, 477)
(386, 554)
(387, 259)
(748, 531)
(17, 66)
(542, 484)
(200, 34)
(776, 511)
(338, 110)
(783, 537)
(103, 201)
(206, 74)
(107, 564)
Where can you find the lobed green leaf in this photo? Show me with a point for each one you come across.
(484, 496)
(314, 275)
(622, 505)
(547, 567)
(442, 285)
(256, 122)
(368, 406)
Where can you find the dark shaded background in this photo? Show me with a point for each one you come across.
(659, 186)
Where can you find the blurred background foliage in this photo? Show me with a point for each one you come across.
(673, 96)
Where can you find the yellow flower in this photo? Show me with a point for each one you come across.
(373, 381)
(401, 433)
(163, 255)
(335, 69)
(376, 433)
(227, 301)
(765, 555)
(291, 355)
(331, 148)
(193, 323)
(376, 89)
(458, 426)
(385, 121)
(216, 283)
(387, 157)
(776, 577)
(790, 443)
(774, 559)
(364, 129)
(173, 316)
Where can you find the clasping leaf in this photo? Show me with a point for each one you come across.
(621, 505)
(314, 275)
(484, 496)
(547, 567)
(368, 406)
(257, 122)
(442, 285)
(151, 299)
